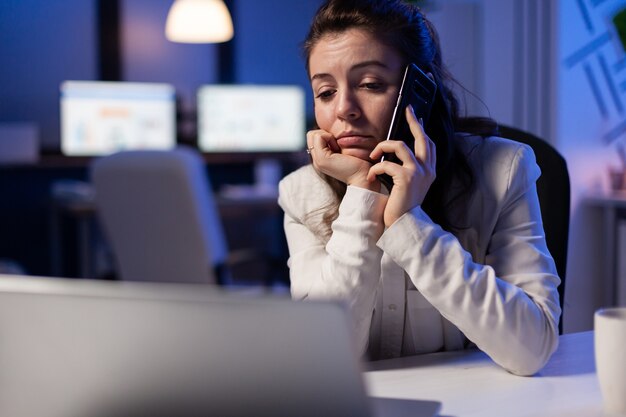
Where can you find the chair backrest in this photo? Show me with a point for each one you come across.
(159, 216)
(553, 189)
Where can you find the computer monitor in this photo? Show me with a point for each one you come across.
(251, 118)
(102, 117)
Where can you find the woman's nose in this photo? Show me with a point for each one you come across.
(348, 107)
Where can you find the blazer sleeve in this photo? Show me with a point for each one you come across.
(508, 306)
(347, 267)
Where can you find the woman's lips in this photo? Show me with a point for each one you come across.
(353, 141)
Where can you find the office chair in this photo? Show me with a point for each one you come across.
(553, 189)
(159, 216)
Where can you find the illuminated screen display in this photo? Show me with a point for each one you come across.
(101, 117)
(251, 118)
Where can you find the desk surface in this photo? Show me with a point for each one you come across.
(468, 383)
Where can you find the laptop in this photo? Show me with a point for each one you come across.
(80, 348)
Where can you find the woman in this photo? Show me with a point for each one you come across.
(454, 254)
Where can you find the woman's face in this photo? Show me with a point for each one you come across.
(355, 80)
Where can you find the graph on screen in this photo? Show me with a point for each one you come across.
(251, 118)
(100, 117)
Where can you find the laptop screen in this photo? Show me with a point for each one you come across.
(251, 118)
(101, 117)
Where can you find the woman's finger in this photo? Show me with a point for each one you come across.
(397, 147)
(432, 152)
(320, 142)
(390, 168)
(333, 145)
(421, 147)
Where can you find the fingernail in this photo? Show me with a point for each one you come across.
(421, 121)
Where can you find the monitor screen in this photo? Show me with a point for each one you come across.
(251, 118)
(102, 117)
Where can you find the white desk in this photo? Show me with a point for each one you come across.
(469, 384)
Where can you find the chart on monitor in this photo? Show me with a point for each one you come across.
(251, 118)
(102, 117)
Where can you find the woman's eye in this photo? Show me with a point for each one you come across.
(325, 95)
(372, 86)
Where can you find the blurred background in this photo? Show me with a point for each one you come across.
(554, 68)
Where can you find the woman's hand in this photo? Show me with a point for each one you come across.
(327, 158)
(413, 178)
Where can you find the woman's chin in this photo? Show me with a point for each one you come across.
(360, 153)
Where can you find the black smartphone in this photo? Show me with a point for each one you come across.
(418, 90)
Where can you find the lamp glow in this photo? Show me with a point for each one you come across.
(199, 21)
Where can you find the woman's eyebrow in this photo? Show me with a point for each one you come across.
(370, 63)
(320, 76)
(360, 65)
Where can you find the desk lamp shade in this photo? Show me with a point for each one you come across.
(199, 21)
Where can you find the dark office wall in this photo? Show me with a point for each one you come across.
(41, 44)
(147, 56)
(267, 43)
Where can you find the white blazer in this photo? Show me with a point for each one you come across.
(415, 288)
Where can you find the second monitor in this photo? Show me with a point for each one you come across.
(251, 118)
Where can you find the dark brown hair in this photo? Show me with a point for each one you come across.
(404, 27)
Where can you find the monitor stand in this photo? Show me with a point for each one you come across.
(267, 174)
